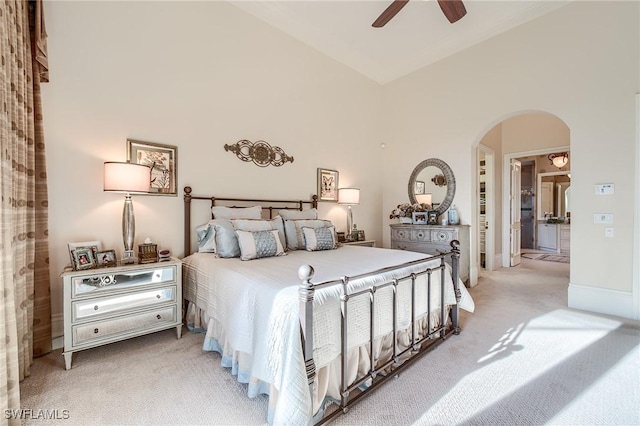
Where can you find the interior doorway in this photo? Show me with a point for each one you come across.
(542, 206)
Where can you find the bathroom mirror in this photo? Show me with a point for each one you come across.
(434, 178)
(554, 194)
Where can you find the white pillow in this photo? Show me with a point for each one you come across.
(261, 225)
(298, 214)
(320, 238)
(222, 212)
(259, 244)
(293, 231)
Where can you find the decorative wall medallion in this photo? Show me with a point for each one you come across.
(260, 152)
(439, 180)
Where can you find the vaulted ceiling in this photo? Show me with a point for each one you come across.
(417, 36)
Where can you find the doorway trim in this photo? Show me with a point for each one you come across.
(506, 192)
(490, 214)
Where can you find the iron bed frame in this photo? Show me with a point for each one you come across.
(378, 374)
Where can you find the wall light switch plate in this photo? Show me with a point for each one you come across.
(605, 189)
(608, 232)
(603, 218)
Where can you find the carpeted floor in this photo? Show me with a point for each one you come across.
(522, 358)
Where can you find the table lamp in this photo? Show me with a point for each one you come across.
(424, 199)
(129, 178)
(349, 197)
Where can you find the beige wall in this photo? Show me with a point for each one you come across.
(580, 64)
(202, 74)
(197, 75)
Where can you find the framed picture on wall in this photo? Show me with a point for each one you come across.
(327, 185)
(163, 161)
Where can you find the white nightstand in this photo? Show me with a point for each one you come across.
(366, 243)
(106, 305)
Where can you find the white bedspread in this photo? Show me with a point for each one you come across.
(256, 305)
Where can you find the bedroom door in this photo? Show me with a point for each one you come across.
(515, 229)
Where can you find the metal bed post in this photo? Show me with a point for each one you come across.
(305, 294)
(455, 260)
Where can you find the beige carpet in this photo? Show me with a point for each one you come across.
(522, 358)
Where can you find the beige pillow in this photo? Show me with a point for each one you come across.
(299, 214)
(222, 212)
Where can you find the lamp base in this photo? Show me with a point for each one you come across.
(128, 256)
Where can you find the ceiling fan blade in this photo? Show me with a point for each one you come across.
(454, 10)
(389, 13)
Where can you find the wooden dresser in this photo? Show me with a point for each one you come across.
(433, 239)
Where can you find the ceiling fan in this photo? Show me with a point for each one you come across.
(452, 9)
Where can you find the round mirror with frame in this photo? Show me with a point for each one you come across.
(433, 176)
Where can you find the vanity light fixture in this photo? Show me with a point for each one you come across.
(350, 197)
(130, 178)
(559, 159)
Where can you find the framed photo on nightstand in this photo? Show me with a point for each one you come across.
(106, 258)
(83, 259)
(93, 246)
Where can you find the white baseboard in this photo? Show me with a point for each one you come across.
(601, 300)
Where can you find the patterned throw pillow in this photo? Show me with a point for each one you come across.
(261, 225)
(206, 239)
(293, 231)
(259, 244)
(319, 238)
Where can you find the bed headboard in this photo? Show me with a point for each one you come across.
(267, 205)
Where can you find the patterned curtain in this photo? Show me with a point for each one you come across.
(25, 311)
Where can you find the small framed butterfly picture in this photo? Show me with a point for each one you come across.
(327, 185)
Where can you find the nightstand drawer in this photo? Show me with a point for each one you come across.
(91, 308)
(98, 330)
(137, 276)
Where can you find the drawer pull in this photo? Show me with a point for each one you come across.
(159, 316)
(95, 331)
(158, 296)
(95, 308)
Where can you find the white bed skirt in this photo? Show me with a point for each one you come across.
(328, 378)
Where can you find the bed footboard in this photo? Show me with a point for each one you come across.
(401, 358)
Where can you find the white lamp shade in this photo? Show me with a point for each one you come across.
(126, 177)
(424, 198)
(349, 196)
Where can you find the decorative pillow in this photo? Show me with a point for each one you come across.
(261, 225)
(298, 214)
(221, 212)
(206, 239)
(226, 238)
(259, 244)
(293, 231)
(320, 238)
